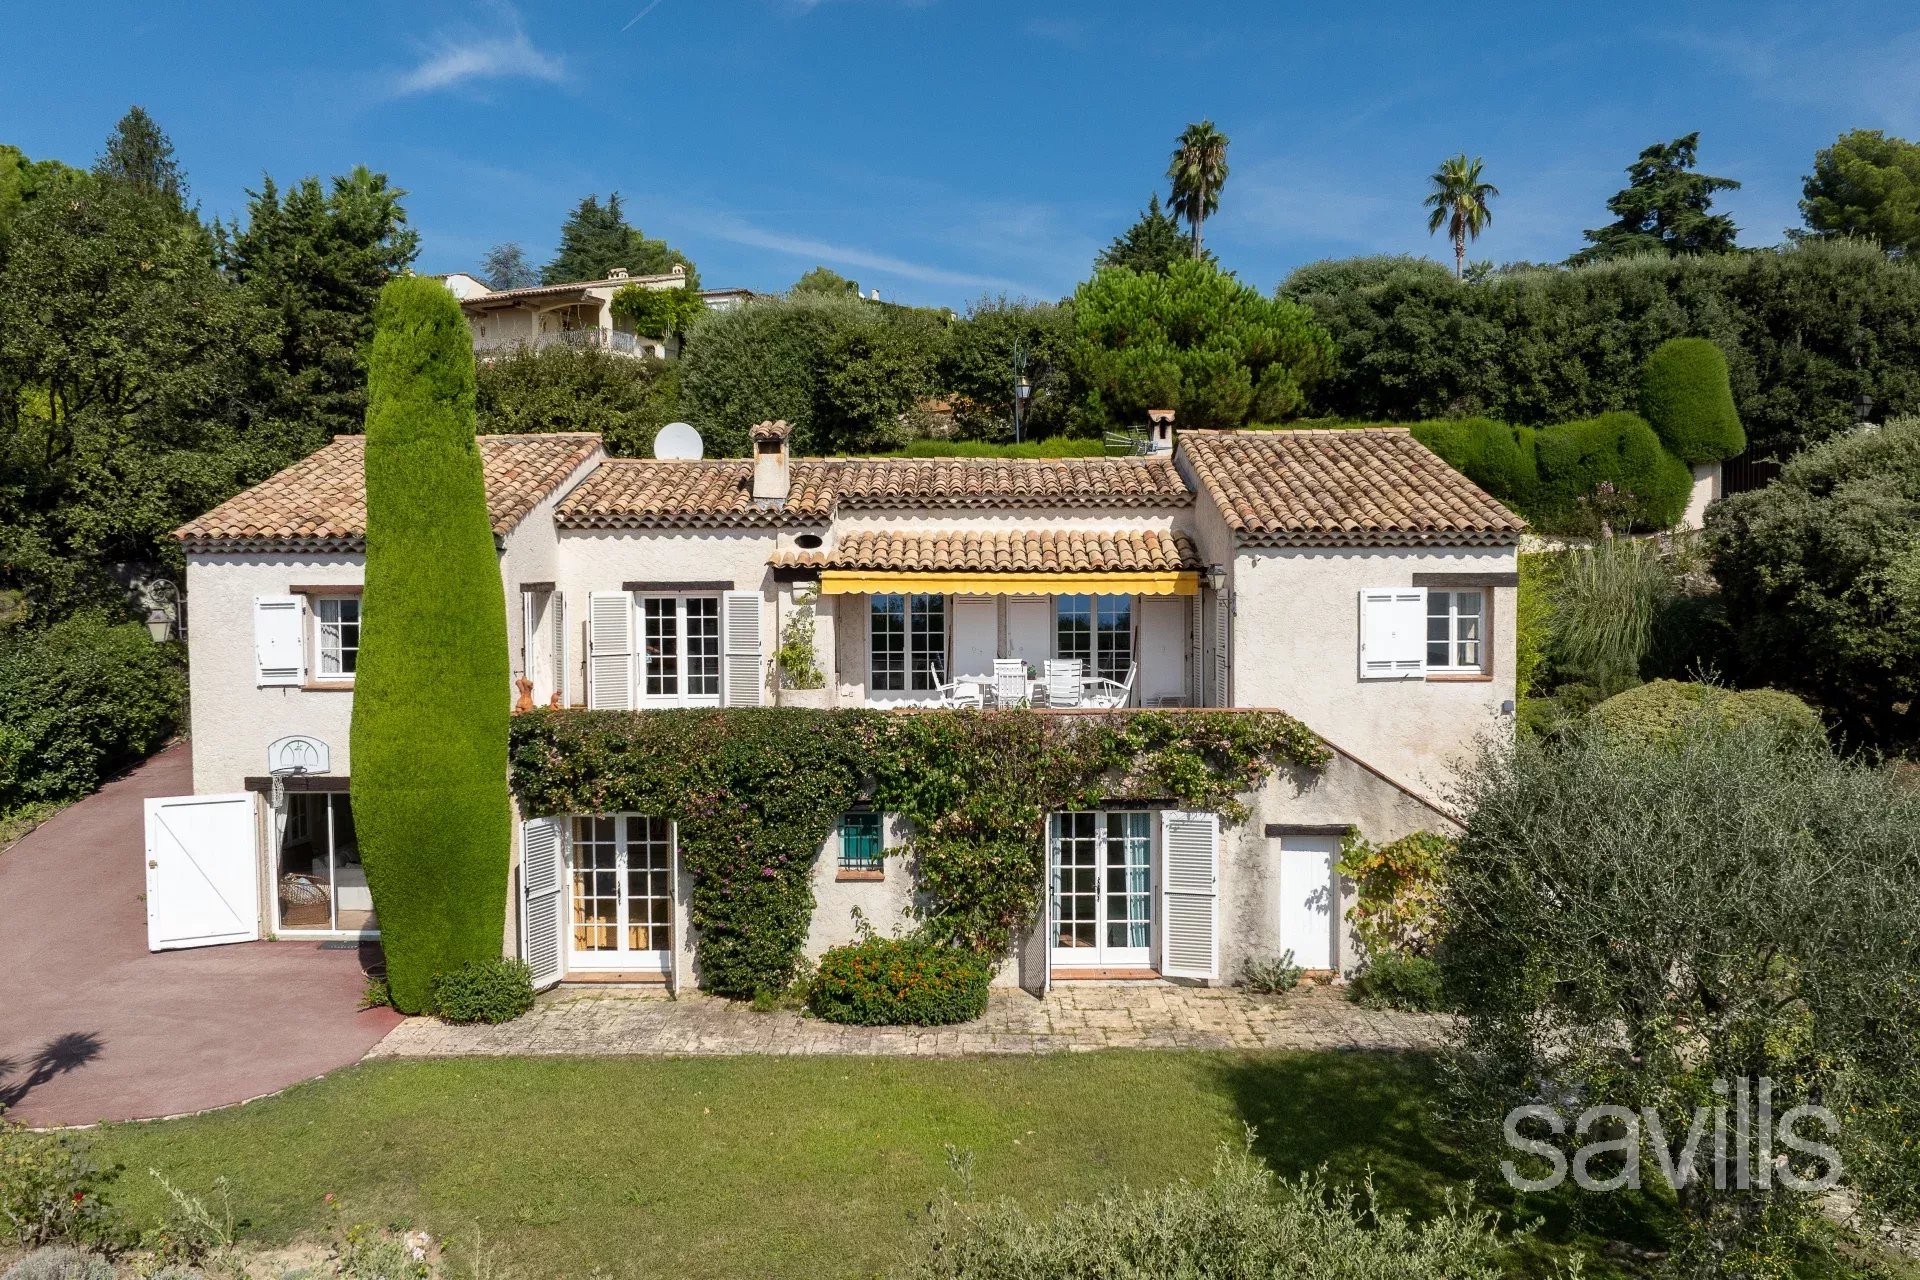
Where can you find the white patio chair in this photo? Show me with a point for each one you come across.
(1101, 692)
(954, 693)
(1009, 681)
(1064, 677)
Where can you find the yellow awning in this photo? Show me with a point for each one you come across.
(1162, 582)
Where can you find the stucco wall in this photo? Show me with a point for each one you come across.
(1296, 647)
(885, 904)
(1706, 488)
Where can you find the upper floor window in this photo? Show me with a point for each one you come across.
(336, 630)
(1454, 620)
(907, 642)
(680, 650)
(1098, 630)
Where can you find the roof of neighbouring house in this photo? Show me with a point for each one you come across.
(320, 502)
(1361, 487)
(495, 296)
(642, 493)
(994, 551)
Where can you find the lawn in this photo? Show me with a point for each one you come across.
(774, 1166)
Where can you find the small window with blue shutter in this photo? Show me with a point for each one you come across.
(862, 846)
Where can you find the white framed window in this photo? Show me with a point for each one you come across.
(336, 637)
(906, 642)
(1456, 621)
(1098, 630)
(679, 650)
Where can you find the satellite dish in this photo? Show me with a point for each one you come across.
(678, 442)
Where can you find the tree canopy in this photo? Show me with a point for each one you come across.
(1665, 207)
(1458, 201)
(596, 238)
(506, 267)
(139, 154)
(659, 313)
(22, 180)
(1867, 184)
(1197, 170)
(1153, 243)
(825, 280)
(626, 399)
(986, 349)
(1196, 340)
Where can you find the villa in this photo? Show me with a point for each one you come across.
(1348, 577)
(577, 314)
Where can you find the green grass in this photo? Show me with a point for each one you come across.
(1052, 447)
(783, 1166)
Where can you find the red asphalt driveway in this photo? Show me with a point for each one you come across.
(94, 1027)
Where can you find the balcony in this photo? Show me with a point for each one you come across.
(608, 340)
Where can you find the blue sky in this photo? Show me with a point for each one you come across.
(942, 149)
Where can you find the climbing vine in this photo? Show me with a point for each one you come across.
(755, 793)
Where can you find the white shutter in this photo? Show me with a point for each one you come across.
(543, 894)
(740, 629)
(610, 650)
(557, 613)
(673, 908)
(529, 622)
(279, 642)
(1222, 640)
(1393, 633)
(1190, 898)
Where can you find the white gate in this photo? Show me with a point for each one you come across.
(203, 884)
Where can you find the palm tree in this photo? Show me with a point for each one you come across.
(1459, 200)
(1198, 170)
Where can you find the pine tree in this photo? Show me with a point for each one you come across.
(506, 267)
(1152, 244)
(141, 155)
(1664, 208)
(596, 239)
(429, 734)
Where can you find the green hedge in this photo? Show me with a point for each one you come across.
(495, 990)
(431, 695)
(80, 700)
(896, 982)
(1661, 709)
(1497, 457)
(1617, 449)
(1687, 398)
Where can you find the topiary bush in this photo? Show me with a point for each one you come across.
(900, 982)
(78, 701)
(430, 705)
(1615, 449)
(1662, 709)
(1497, 457)
(1688, 400)
(496, 990)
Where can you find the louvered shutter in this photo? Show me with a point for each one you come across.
(557, 615)
(1190, 897)
(673, 907)
(743, 639)
(279, 647)
(610, 650)
(1222, 644)
(1393, 633)
(1196, 655)
(543, 889)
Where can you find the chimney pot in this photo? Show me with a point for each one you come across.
(772, 468)
(1159, 431)
(616, 273)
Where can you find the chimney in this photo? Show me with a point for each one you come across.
(1159, 431)
(616, 273)
(679, 268)
(772, 472)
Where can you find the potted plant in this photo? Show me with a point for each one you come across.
(801, 683)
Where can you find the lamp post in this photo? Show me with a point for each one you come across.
(1022, 389)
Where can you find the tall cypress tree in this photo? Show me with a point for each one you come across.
(430, 700)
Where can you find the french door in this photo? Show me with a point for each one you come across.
(1101, 905)
(622, 892)
(679, 651)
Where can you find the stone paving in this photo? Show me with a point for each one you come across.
(1079, 1017)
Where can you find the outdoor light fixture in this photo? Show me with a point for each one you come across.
(1022, 392)
(1863, 407)
(1216, 577)
(159, 625)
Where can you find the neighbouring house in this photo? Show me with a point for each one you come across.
(576, 314)
(1348, 577)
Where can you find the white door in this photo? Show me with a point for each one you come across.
(1163, 650)
(203, 881)
(976, 636)
(1306, 920)
(1030, 629)
(1102, 890)
(622, 894)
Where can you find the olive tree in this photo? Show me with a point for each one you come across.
(1671, 922)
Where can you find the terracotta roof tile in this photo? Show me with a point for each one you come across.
(1017, 551)
(646, 493)
(320, 502)
(1371, 487)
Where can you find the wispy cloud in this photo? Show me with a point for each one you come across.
(734, 230)
(1805, 67)
(654, 4)
(465, 57)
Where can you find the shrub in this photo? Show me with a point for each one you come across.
(496, 990)
(432, 683)
(900, 982)
(1533, 620)
(51, 1190)
(1271, 975)
(1497, 457)
(1820, 577)
(1616, 449)
(80, 700)
(1606, 603)
(1686, 397)
(626, 399)
(1662, 710)
(1243, 1222)
(60, 1262)
(1397, 980)
(1397, 885)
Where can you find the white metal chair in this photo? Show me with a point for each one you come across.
(1009, 681)
(1064, 678)
(1101, 692)
(954, 693)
